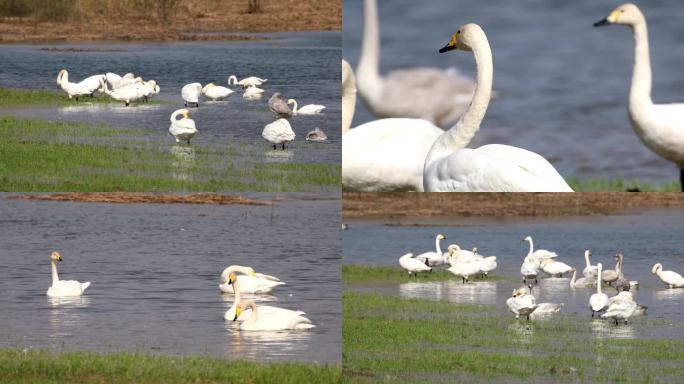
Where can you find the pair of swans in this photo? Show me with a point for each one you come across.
(620, 307)
(86, 87)
(278, 132)
(659, 126)
(522, 303)
(671, 278)
(466, 263)
(249, 280)
(251, 81)
(139, 90)
(64, 288)
(216, 92)
(184, 128)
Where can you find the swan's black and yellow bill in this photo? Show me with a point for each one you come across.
(602, 22)
(452, 44)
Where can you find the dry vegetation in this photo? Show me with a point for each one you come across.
(83, 20)
(149, 198)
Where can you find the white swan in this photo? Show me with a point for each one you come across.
(457, 255)
(150, 89)
(184, 128)
(599, 300)
(433, 258)
(427, 93)
(115, 81)
(273, 321)
(84, 88)
(251, 81)
(540, 254)
(127, 94)
(671, 278)
(263, 309)
(316, 135)
(659, 126)
(590, 271)
(529, 269)
(450, 167)
(249, 280)
(554, 267)
(621, 307)
(522, 303)
(413, 265)
(484, 264)
(216, 92)
(464, 270)
(191, 93)
(309, 109)
(278, 132)
(253, 93)
(348, 95)
(64, 288)
(582, 281)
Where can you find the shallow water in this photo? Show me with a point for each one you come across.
(644, 238)
(303, 66)
(564, 84)
(155, 270)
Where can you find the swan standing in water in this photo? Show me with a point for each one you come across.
(115, 81)
(84, 88)
(659, 126)
(621, 307)
(309, 109)
(278, 106)
(191, 93)
(554, 267)
(184, 128)
(432, 259)
(590, 271)
(253, 93)
(348, 95)
(582, 281)
(263, 309)
(540, 254)
(671, 278)
(450, 167)
(251, 81)
(64, 288)
(278, 132)
(216, 92)
(522, 303)
(435, 95)
(249, 280)
(127, 94)
(273, 321)
(484, 264)
(599, 300)
(413, 265)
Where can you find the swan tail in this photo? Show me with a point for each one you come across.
(267, 277)
(85, 286)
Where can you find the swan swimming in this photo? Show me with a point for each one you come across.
(316, 135)
(450, 167)
(191, 93)
(671, 278)
(272, 321)
(251, 81)
(582, 281)
(183, 128)
(278, 132)
(659, 126)
(263, 309)
(216, 92)
(253, 93)
(64, 288)
(249, 280)
(598, 301)
(413, 265)
(309, 109)
(278, 106)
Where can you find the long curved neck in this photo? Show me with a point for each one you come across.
(531, 248)
(64, 78)
(437, 248)
(55, 277)
(464, 130)
(348, 96)
(598, 282)
(586, 259)
(294, 108)
(640, 92)
(173, 120)
(574, 276)
(369, 76)
(236, 290)
(253, 317)
(232, 80)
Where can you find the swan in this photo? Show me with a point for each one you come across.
(127, 94)
(263, 309)
(93, 82)
(184, 128)
(484, 264)
(521, 303)
(150, 89)
(76, 90)
(413, 265)
(529, 269)
(621, 284)
(310, 109)
(348, 96)
(582, 281)
(128, 79)
(316, 135)
(115, 81)
(278, 106)
(191, 93)
(464, 270)
(457, 255)
(659, 126)
(599, 300)
(253, 93)
(546, 308)
(433, 258)
(249, 280)
(610, 275)
(271, 321)
(278, 132)
(554, 267)
(435, 95)
(590, 271)
(540, 254)
(620, 307)
(450, 167)
(64, 288)
(671, 278)
(215, 92)
(251, 81)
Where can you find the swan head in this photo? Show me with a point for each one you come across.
(527, 238)
(232, 278)
(185, 113)
(587, 253)
(55, 256)
(656, 267)
(440, 237)
(277, 95)
(206, 87)
(464, 38)
(60, 74)
(474, 250)
(626, 14)
(290, 101)
(129, 76)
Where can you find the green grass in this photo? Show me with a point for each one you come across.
(352, 274)
(620, 185)
(88, 367)
(26, 97)
(388, 339)
(44, 156)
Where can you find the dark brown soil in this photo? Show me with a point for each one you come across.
(151, 198)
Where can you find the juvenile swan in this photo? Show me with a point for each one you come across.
(183, 128)
(450, 167)
(64, 288)
(659, 126)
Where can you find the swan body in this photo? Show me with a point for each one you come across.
(309, 109)
(115, 81)
(216, 92)
(671, 278)
(582, 281)
(457, 255)
(278, 106)
(547, 308)
(263, 309)
(316, 135)
(621, 284)
(413, 265)
(348, 95)
(431, 94)
(521, 303)
(464, 270)
(433, 258)
(599, 300)
(251, 81)
(590, 271)
(271, 321)
(249, 280)
(184, 128)
(75, 90)
(529, 269)
(278, 132)
(538, 255)
(93, 82)
(621, 307)
(253, 93)
(64, 288)
(150, 89)
(554, 267)
(191, 93)
(609, 276)
(127, 94)
(486, 264)
(659, 126)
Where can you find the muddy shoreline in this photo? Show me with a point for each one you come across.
(143, 198)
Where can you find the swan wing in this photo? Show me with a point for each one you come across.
(278, 132)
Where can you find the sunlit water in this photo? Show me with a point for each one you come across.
(303, 66)
(644, 239)
(564, 84)
(155, 271)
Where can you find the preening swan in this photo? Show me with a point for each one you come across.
(278, 106)
(115, 81)
(522, 303)
(127, 94)
(263, 309)
(273, 321)
(278, 132)
(599, 300)
(432, 94)
(84, 88)
(191, 93)
(671, 278)
(621, 307)
(183, 128)
(216, 92)
(316, 135)
(249, 280)
(348, 95)
(64, 288)
(659, 126)
(433, 258)
(413, 265)
(309, 109)
(251, 81)
(450, 167)
(252, 93)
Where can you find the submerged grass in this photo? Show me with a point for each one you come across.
(42, 156)
(388, 339)
(385, 274)
(23, 97)
(87, 367)
(620, 185)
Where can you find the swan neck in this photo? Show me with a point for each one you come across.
(173, 120)
(348, 96)
(294, 107)
(574, 276)
(236, 290)
(598, 282)
(369, 62)
(55, 277)
(437, 247)
(531, 248)
(640, 91)
(586, 259)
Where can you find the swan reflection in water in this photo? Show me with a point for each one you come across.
(606, 329)
(66, 317)
(279, 156)
(183, 161)
(264, 345)
(481, 292)
(117, 109)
